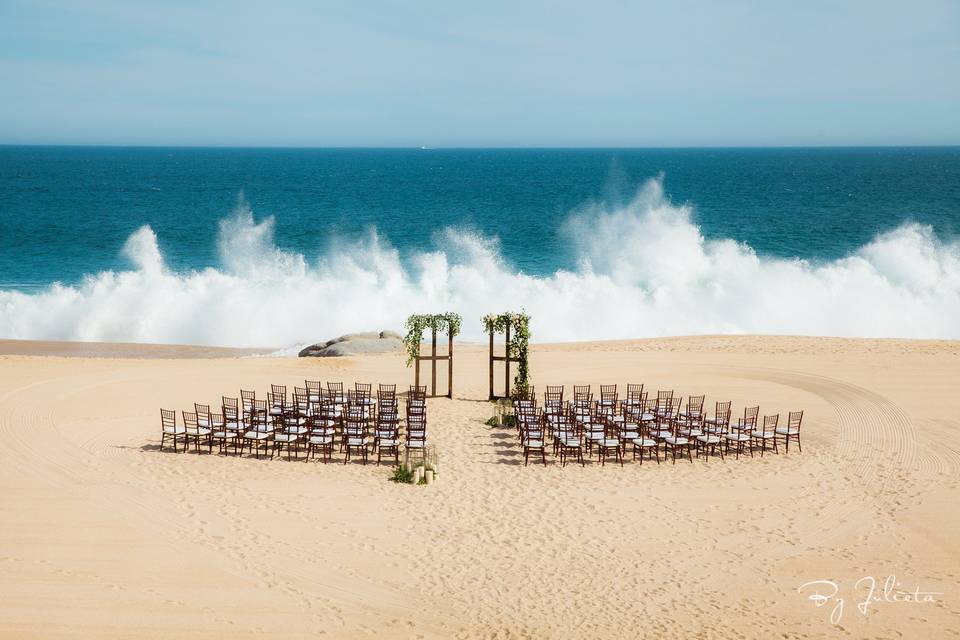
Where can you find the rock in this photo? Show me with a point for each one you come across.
(355, 343)
(365, 335)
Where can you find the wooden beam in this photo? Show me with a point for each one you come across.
(491, 365)
(506, 372)
(432, 359)
(449, 365)
(416, 375)
(433, 352)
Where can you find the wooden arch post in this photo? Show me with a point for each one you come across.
(505, 359)
(417, 325)
(432, 358)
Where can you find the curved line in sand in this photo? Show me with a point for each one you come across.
(873, 430)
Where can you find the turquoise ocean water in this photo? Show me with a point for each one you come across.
(277, 247)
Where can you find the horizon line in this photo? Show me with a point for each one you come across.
(477, 148)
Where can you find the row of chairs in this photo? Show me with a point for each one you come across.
(611, 425)
(316, 418)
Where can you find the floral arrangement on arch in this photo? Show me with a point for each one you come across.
(519, 343)
(417, 324)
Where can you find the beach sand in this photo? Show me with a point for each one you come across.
(103, 535)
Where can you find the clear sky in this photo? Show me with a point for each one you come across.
(489, 73)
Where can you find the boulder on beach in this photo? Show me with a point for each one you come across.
(355, 343)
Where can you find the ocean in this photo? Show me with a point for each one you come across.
(282, 247)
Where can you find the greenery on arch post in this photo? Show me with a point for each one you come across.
(519, 344)
(417, 324)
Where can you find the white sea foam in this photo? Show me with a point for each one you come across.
(644, 269)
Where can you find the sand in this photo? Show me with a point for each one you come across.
(105, 536)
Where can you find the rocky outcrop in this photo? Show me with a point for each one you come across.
(355, 343)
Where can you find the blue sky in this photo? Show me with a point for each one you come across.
(480, 74)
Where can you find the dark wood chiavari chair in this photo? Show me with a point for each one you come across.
(259, 429)
(608, 395)
(195, 432)
(739, 434)
(767, 434)
(323, 430)
(677, 440)
(720, 422)
(289, 435)
(246, 403)
(569, 442)
(335, 389)
(646, 441)
(170, 429)
(355, 438)
(581, 391)
(608, 444)
(532, 435)
(554, 391)
(792, 430)
(416, 432)
(387, 436)
(313, 389)
(230, 431)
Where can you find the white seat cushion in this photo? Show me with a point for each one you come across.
(737, 437)
(199, 431)
(788, 431)
(534, 444)
(416, 444)
(766, 435)
(256, 435)
(225, 434)
(610, 442)
(389, 442)
(286, 437)
(357, 442)
(709, 439)
(676, 441)
(321, 440)
(175, 430)
(644, 442)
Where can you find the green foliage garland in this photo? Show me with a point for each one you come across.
(519, 343)
(448, 323)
